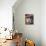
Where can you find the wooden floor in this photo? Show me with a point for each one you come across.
(9, 43)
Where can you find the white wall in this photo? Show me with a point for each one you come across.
(43, 22)
(29, 31)
(6, 13)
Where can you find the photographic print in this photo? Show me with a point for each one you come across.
(29, 19)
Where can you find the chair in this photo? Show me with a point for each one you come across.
(29, 43)
(18, 39)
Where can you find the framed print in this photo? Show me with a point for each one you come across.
(29, 19)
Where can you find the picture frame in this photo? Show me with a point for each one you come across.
(29, 19)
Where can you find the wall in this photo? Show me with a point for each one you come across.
(29, 31)
(43, 22)
(6, 13)
(6, 16)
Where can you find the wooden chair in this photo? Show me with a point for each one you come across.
(29, 43)
(18, 39)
